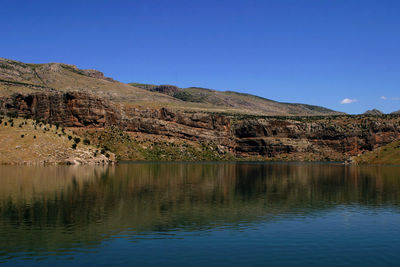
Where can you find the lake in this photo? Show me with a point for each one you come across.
(212, 214)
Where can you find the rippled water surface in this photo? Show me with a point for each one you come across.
(200, 214)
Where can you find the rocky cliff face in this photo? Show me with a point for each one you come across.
(322, 139)
(329, 138)
(72, 109)
(76, 109)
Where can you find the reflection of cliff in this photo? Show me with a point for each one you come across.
(63, 206)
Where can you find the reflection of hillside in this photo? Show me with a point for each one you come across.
(58, 207)
(25, 182)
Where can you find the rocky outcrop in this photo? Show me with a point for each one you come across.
(71, 109)
(192, 126)
(77, 109)
(374, 112)
(166, 89)
(301, 138)
(333, 139)
(96, 74)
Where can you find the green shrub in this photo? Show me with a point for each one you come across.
(86, 141)
(73, 146)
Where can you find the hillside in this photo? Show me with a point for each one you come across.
(27, 78)
(388, 154)
(18, 77)
(25, 141)
(230, 101)
(373, 112)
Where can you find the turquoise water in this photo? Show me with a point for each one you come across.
(200, 214)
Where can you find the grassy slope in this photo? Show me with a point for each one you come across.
(63, 77)
(389, 154)
(24, 141)
(234, 102)
(22, 77)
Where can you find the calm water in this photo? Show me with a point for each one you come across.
(200, 214)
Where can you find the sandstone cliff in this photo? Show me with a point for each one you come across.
(302, 138)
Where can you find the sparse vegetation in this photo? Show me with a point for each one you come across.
(86, 141)
(29, 144)
(389, 154)
(130, 146)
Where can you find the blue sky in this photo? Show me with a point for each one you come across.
(317, 51)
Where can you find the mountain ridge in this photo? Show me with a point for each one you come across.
(158, 123)
(237, 100)
(19, 77)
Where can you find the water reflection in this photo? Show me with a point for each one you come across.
(51, 210)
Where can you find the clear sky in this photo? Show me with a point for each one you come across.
(310, 51)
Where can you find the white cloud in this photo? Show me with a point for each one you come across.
(395, 98)
(348, 101)
(383, 97)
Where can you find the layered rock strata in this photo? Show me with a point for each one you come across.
(305, 138)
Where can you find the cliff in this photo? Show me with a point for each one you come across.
(267, 138)
(336, 138)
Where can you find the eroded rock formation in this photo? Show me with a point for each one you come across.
(306, 138)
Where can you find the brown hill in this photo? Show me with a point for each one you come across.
(21, 77)
(235, 102)
(374, 112)
(18, 77)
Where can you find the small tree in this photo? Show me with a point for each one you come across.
(86, 141)
(73, 146)
(77, 140)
